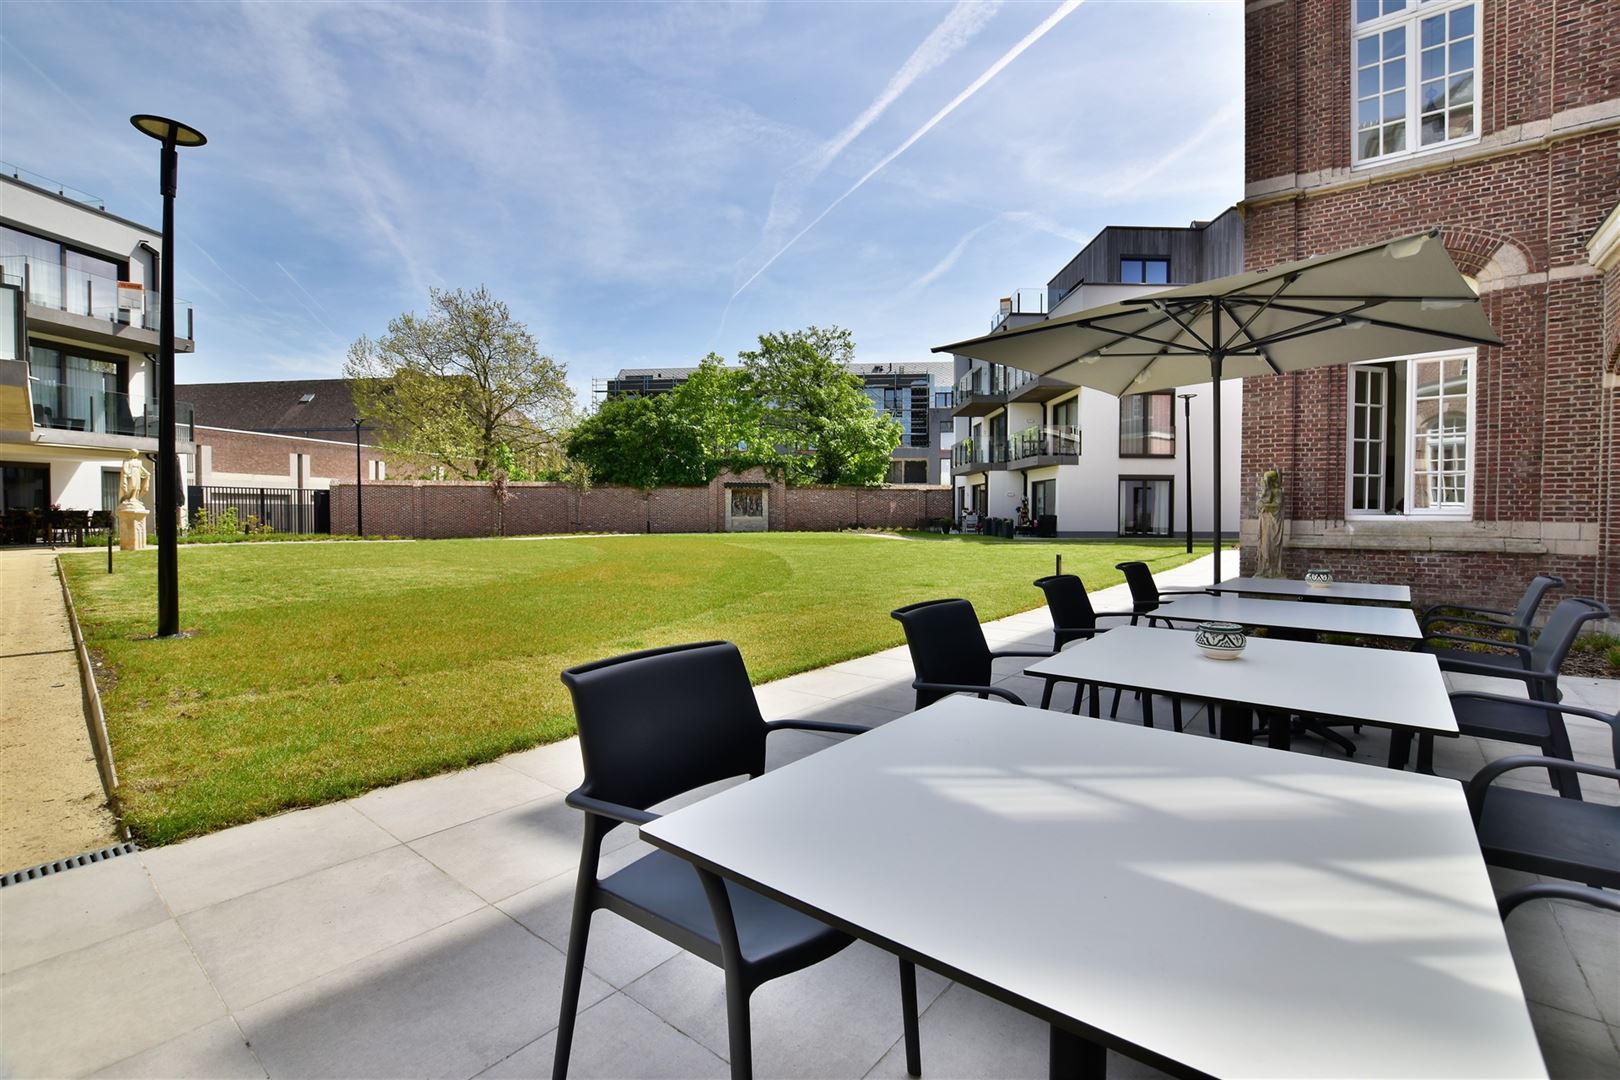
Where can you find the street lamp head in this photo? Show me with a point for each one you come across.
(165, 130)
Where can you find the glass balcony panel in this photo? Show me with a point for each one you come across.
(64, 407)
(79, 290)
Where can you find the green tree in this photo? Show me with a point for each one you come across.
(453, 387)
(725, 418)
(816, 414)
(635, 441)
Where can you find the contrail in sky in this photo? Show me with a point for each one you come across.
(974, 87)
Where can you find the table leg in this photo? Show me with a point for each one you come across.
(1046, 695)
(1075, 1058)
(1400, 747)
(1279, 731)
(1237, 723)
(1425, 757)
(1096, 701)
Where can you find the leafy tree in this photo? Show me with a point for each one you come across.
(725, 417)
(818, 415)
(454, 387)
(635, 441)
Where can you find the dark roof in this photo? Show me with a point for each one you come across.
(275, 406)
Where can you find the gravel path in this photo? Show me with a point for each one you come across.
(51, 802)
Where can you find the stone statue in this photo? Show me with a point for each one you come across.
(134, 482)
(134, 488)
(1269, 509)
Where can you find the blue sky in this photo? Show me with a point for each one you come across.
(642, 183)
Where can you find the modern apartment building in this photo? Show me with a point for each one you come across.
(917, 394)
(1100, 465)
(78, 343)
(1497, 123)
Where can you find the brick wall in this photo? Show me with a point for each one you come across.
(260, 454)
(438, 510)
(1516, 212)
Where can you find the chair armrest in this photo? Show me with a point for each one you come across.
(1434, 612)
(963, 688)
(630, 815)
(1557, 890)
(1021, 652)
(1483, 778)
(1528, 703)
(817, 725)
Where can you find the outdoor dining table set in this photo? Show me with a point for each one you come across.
(1207, 907)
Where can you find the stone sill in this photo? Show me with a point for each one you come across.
(1579, 538)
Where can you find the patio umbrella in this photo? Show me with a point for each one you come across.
(1389, 299)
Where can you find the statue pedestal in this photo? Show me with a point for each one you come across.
(131, 526)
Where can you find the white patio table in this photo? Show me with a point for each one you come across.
(1403, 691)
(1206, 907)
(1386, 622)
(1352, 592)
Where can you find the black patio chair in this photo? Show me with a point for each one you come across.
(1552, 890)
(1554, 836)
(654, 725)
(949, 653)
(1519, 621)
(1534, 665)
(1074, 619)
(1146, 595)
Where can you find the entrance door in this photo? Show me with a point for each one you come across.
(746, 509)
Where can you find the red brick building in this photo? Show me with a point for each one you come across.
(1498, 123)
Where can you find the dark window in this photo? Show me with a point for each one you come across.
(1136, 271)
(61, 277)
(1042, 498)
(914, 471)
(1145, 506)
(1147, 425)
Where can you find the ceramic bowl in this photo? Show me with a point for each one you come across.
(1319, 578)
(1220, 640)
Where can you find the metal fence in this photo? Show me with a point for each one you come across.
(285, 510)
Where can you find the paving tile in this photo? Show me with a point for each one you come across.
(1593, 936)
(835, 1019)
(1574, 1047)
(825, 682)
(421, 807)
(216, 1051)
(268, 941)
(854, 709)
(787, 746)
(778, 701)
(965, 1036)
(503, 853)
(62, 912)
(888, 664)
(1548, 970)
(557, 764)
(82, 1010)
(616, 1039)
(451, 1002)
(617, 950)
(237, 861)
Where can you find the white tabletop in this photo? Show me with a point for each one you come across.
(1292, 615)
(1351, 591)
(1221, 906)
(1371, 686)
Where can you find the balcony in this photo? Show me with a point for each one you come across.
(1030, 303)
(981, 391)
(983, 455)
(93, 304)
(1031, 387)
(1035, 448)
(62, 407)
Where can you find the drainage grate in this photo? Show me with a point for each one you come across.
(17, 877)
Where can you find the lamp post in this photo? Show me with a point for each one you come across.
(359, 485)
(172, 134)
(1186, 426)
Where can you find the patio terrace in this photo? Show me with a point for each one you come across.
(420, 929)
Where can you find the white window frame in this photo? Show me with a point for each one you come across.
(1408, 404)
(1410, 19)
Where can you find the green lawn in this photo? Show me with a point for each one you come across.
(318, 671)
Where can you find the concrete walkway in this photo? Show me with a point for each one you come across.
(419, 930)
(51, 801)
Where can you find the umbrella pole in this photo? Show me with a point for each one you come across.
(1215, 359)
